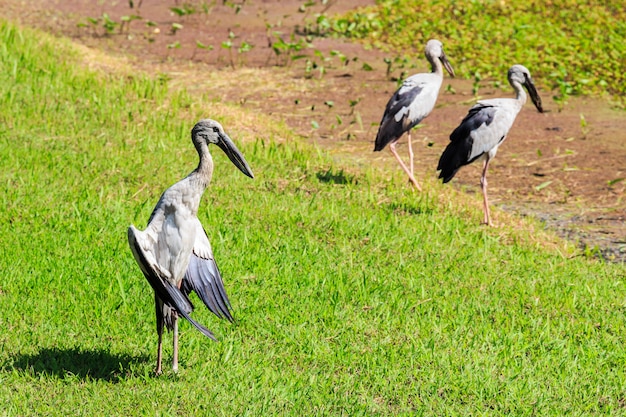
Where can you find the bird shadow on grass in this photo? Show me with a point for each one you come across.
(407, 208)
(340, 177)
(79, 363)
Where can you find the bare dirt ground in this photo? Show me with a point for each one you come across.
(553, 167)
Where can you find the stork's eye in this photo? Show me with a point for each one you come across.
(216, 129)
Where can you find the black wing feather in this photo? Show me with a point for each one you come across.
(204, 278)
(168, 293)
(459, 150)
(390, 129)
(480, 114)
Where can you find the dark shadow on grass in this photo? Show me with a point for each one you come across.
(400, 208)
(336, 177)
(84, 364)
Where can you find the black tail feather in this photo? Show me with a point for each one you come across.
(200, 327)
(452, 159)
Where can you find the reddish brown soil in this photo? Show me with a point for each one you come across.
(551, 166)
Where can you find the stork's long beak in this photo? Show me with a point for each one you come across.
(446, 64)
(532, 91)
(235, 156)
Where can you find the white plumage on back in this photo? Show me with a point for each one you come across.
(424, 103)
(487, 138)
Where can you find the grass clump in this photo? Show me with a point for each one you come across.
(567, 50)
(352, 294)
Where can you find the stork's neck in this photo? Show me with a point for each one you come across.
(204, 171)
(435, 64)
(520, 93)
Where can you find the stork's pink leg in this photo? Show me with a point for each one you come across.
(410, 152)
(392, 148)
(483, 186)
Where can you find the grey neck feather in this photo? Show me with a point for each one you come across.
(204, 171)
(520, 92)
(435, 65)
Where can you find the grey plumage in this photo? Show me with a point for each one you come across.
(411, 103)
(174, 252)
(396, 118)
(484, 129)
(461, 150)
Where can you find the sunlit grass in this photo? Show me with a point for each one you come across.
(353, 295)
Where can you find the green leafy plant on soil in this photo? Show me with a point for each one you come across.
(570, 47)
(353, 296)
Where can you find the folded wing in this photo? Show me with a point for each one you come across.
(396, 118)
(463, 148)
(168, 293)
(203, 277)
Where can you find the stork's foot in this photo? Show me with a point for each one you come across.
(415, 184)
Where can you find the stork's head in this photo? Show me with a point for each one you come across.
(211, 132)
(434, 50)
(520, 74)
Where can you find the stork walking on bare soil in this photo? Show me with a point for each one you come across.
(484, 129)
(411, 103)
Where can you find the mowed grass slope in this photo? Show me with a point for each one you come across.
(353, 295)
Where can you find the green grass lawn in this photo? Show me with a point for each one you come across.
(353, 295)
